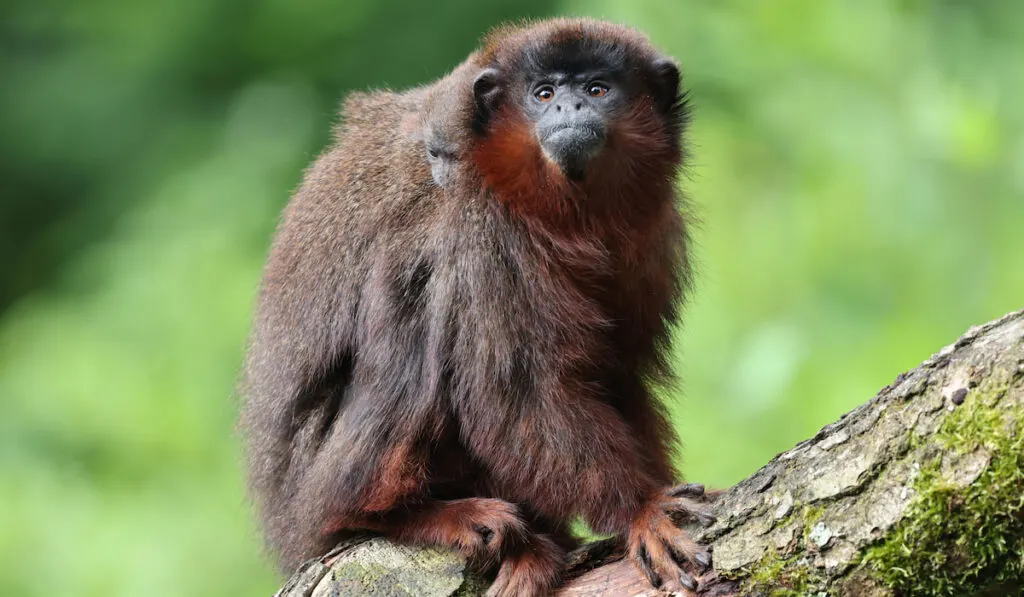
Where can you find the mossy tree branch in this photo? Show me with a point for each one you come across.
(920, 491)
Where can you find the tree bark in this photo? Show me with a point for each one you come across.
(917, 492)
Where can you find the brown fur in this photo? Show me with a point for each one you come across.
(472, 366)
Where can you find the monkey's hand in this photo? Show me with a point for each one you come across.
(660, 549)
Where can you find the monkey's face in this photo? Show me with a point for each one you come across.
(442, 155)
(571, 112)
(573, 92)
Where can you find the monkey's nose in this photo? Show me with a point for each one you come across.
(571, 145)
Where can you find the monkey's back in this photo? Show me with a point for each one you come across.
(326, 333)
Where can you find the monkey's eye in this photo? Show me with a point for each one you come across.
(545, 93)
(432, 153)
(597, 90)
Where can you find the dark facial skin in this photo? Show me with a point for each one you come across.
(571, 112)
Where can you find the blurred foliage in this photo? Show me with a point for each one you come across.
(856, 168)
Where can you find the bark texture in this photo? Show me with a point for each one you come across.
(920, 491)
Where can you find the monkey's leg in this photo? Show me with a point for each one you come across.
(659, 549)
(664, 553)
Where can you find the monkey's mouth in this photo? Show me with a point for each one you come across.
(572, 146)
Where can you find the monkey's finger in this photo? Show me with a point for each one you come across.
(703, 560)
(686, 490)
(685, 550)
(682, 583)
(646, 566)
(687, 581)
(689, 508)
(659, 550)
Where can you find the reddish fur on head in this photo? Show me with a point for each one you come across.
(634, 173)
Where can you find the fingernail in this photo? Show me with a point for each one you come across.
(687, 581)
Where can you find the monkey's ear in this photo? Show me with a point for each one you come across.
(666, 83)
(486, 92)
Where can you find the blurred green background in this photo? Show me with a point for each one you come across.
(858, 168)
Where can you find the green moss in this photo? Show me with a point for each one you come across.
(811, 515)
(780, 576)
(963, 540)
(473, 586)
(768, 571)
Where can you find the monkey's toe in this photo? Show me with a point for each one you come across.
(488, 527)
(695, 491)
(486, 533)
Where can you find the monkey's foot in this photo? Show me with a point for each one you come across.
(660, 549)
(531, 571)
(486, 527)
(480, 528)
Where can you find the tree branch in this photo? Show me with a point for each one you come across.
(918, 491)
